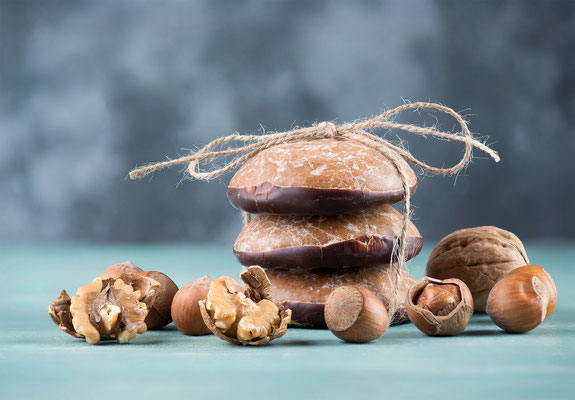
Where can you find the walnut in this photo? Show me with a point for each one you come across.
(106, 308)
(244, 315)
(479, 257)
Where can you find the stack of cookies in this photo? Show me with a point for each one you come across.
(323, 220)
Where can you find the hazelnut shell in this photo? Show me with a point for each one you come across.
(435, 325)
(160, 314)
(518, 303)
(185, 309)
(544, 276)
(116, 270)
(355, 314)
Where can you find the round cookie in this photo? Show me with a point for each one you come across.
(305, 292)
(356, 239)
(320, 177)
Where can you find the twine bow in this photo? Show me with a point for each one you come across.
(358, 131)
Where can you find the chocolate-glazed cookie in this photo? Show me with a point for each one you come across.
(320, 177)
(356, 239)
(305, 292)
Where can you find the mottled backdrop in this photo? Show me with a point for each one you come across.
(90, 89)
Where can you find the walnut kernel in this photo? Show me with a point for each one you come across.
(106, 308)
(244, 315)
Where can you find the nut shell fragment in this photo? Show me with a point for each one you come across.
(59, 311)
(450, 324)
(246, 316)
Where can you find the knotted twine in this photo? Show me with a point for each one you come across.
(359, 131)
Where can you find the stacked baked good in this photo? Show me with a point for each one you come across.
(323, 220)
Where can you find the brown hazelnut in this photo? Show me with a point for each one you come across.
(185, 309)
(116, 270)
(439, 299)
(544, 276)
(355, 314)
(160, 314)
(439, 308)
(519, 302)
(478, 256)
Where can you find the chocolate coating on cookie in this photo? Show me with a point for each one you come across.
(321, 177)
(305, 292)
(356, 239)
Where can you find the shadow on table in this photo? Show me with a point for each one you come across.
(481, 322)
(305, 343)
(482, 332)
(170, 328)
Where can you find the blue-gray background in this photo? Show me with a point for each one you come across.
(90, 89)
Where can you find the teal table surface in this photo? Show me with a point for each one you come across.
(38, 361)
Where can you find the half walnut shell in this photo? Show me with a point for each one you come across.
(59, 312)
(246, 316)
(440, 324)
(106, 308)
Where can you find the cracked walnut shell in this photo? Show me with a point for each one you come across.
(106, 308)
(244, 315)
(479, 256)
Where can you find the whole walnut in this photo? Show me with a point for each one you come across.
(479, 257)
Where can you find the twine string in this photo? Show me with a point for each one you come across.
(359, 131)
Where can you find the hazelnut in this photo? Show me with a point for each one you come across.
(439, 299)
(185, 308)
(478, 256)
(519, 302)
(355, 314)
(439, 308)
(116, 270)
(160, 313)
(246, 316)
(544, 276)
